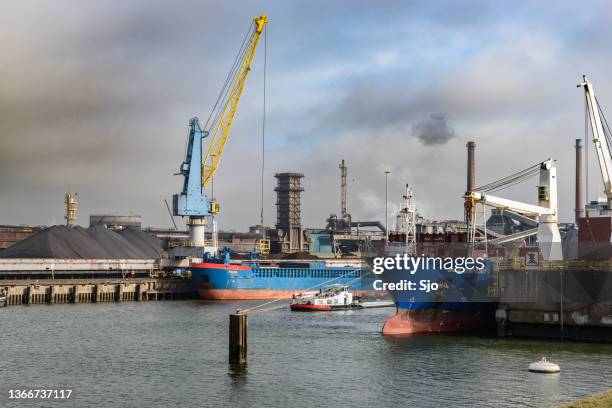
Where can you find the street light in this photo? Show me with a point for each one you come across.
(387, 172)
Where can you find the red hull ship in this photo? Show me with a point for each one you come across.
(411, 321)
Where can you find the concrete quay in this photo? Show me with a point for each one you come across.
(58, 291)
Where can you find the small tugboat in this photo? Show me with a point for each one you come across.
(330, 298)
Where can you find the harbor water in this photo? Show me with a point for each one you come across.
(175, 354)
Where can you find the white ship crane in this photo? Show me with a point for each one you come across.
(545, 213)
(601, 137)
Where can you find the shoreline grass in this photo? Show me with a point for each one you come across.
(603, 400)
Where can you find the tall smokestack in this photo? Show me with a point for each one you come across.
(580, 198)
(471, 176)
(343, 170)
(471, 167)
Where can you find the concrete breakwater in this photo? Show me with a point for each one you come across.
(23, 292)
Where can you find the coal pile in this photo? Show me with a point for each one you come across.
(118, 245)
(96, 242)
(148, 244)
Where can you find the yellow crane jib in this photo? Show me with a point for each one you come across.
(220, 127)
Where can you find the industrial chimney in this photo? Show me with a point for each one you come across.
(471, 167)
(343, 211)
(580, 195)
(471, 173)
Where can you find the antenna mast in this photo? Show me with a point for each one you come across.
(409, 212)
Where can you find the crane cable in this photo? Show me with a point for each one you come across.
(516, 181)
(263, 128)
(529, 172)
(510, 180)
(586, 148)
(606, 127)
(223, 97)
(216, 111)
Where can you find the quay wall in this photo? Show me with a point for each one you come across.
(24, 292)
(556, 302)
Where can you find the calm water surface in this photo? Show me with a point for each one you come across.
(174, 354)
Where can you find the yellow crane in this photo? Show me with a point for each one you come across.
(198, 171)
(222, 123)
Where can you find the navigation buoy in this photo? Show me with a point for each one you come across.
(544, 366)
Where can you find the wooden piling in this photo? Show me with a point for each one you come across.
(119, 293)
(238, 338)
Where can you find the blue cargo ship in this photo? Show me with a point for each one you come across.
(465, 301)
(224, 279)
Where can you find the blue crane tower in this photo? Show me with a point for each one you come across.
(193, 202)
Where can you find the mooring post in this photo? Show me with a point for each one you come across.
(238, 338)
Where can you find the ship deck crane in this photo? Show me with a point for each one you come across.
(601, 137)
(549, 238)
(198, 171)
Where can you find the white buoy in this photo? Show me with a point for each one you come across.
(544, 366)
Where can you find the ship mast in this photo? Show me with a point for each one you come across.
(409, 213)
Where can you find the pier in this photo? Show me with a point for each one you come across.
(30, 292)
(57, 281)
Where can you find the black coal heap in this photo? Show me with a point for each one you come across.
(97, 242)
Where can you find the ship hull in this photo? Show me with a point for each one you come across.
(219, 281)
(312, 308)
(440, 318)
(245, 294)
(462, 302)
(252, 294)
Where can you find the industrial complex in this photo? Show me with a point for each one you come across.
(361, 204)
(549, 278)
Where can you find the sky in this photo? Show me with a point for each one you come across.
(95, 98)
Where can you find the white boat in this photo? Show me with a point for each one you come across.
(331, 298)
(544, 366)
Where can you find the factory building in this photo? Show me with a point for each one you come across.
(11, 234)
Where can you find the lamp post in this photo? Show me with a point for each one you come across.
(387, 172)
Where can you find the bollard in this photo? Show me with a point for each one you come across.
(238, 338)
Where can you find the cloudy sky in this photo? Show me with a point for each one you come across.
(95, 97)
